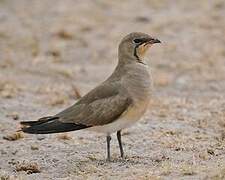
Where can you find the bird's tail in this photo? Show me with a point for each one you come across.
(49, 125)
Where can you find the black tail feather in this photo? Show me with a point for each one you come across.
(49, 125)
(39, 121)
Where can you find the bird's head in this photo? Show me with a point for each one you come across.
(134, 46)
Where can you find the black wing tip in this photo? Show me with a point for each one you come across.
(39, 121)
(48, 127)
(28, 130)
(26, 122)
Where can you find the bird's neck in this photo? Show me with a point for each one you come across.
(126, 59)
(130, 59)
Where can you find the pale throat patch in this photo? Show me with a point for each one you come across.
(142, 49)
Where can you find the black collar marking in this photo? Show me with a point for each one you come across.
(135, 54)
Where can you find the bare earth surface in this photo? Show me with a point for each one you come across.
(52, 51)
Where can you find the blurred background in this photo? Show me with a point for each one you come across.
(52, 52)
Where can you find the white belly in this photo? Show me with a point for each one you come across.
(128, 118)
(113, 127)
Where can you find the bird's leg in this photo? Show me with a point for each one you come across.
(108, 139)
(120, 143)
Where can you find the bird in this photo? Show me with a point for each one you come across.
(115, 104)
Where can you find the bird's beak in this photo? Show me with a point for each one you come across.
(151, 41)
(155, 41)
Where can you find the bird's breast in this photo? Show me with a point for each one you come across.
(137, 82)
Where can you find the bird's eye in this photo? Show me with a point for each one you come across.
(137, 41)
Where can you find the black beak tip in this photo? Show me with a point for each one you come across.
(156, 41)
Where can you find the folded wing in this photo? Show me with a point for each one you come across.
(101, 106)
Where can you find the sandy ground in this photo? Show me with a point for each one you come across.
(53, 51)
